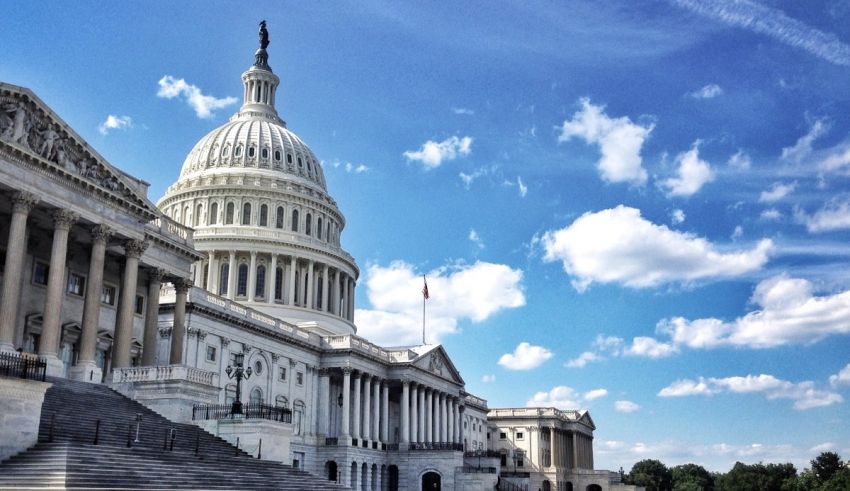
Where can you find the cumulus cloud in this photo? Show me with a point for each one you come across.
(561, 397)
(458, 292)
(777, 192)
(770, 215)
(804, 394)
(617, 245)
(525, 357)
(693, 173)
(432, 154)
(488, 379)
(740, 160)
(677, 216)
(709, 91)
(803, 148)
(841, 378)
(836, 159)
(595, 394)
(835, 215)
(650, 348)
(626, 407)
(204, 105)
(774, 23)
(583, 359)
(619, 140)
(114, 122)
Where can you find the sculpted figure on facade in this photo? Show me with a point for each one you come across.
(18, 130)
(49, 138)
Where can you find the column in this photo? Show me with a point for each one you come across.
(461, 432)
(350, 296)
(367, 407)
(553, 444)
(346, 402)
(325, 273)
(199, 274)
(344, 308)
(314, 420)
(450, 408)
(22, 204)
(151, 318)
(405, 411)
(178, 328)
(575, 451)
(309, 297)
(272, 275)
(414, 413)
(124, 326)
(291, 300)
(324, 402)
(376, 410)
(231, 275)
(355, 428)
(421, 415)
(590, 450)
(444, 427)
(385, 412)
(50, 330)
(211, 273)
(534, 447)
(252, 277)
(429, 416)
(86, 369)
(334, 300)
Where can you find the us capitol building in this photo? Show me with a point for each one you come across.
(240, 268)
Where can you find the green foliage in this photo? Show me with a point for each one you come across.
(839, 481)
(691, 477)
(651, 474)
(759, 477)
(825, 465)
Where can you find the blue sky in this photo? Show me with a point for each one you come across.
(638, 208)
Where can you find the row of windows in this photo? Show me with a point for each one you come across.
(260, 283)
(311, 165)
(76, 286)
(212, 356)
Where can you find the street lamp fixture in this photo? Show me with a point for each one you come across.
(238, 373)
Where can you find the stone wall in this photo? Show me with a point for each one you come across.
(20, 414)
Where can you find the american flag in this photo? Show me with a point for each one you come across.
(425, 288)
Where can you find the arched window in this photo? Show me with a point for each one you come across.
(198, 211)
(294, 220)
(260, 286)
(298, 411)
(289, 158)
(242, 281)
(308, 224)
(278, 220)
(264, 215)
(213, 214)
(228, 214)
(319, 228)
(251, 152)
(238, 151)
(297, 282)
(256, 396)
(281, 401)
(264, 153)
(224, 277)
(278, 284)
(277, 155)
(246, 214)
(226, 151)
(328, 232)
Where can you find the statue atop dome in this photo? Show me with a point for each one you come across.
(264, 35)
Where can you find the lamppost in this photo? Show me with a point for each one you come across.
(238, 373)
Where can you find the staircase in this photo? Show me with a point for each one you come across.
(67, 456)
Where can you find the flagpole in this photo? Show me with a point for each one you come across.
(423, 312)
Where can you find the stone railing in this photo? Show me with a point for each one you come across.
(534, 412)
(475, 401)
(276, 235)
(356, 343)
(165, 373)
(169, 228)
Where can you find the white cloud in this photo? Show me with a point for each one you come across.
(836, 159)
(463, 111)
(738, 232)
(770, 215)
(841, 378)
(619, 246)
(693, 173)
(114, 122)
(349, 167)
(475, 238)
(619, 141)
(741, 160)
(835, 215)
(803, 148)
(204, 105)
(561, 397)
(774, 23)
(777, 192)
(804, 394)
(595, 394)
(488, 379)
(823, 447)
(468, 179)
(525, 357)
(677, 216)
(707, 92)
(650, 348)
(473, 292)
(626, 407)
(523, 189)
(432, 154)
(583, 359)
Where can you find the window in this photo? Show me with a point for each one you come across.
(140, 305)
(281, 401)
(278, 284)
(198, 211)
(298, 411)
(281, 374)
(224, 279)
(294, 220)
(278, 223)
(213, 214)
(328, 232)
(228, 214)
(299, 378)
(289, 158)
(503, 460)
(319, 228)
(76, 284)
(107, 295)
(308, 224)
(264, 215)
(520, 435)
(260, 286)
(226, 151)
(40, 272)
(238, 152)
(464, 425)
(251, 151)
(211, 353)
(242, 281)
(258, 367)
(246, 214)
(300, 164)
(264, 153)
(502, 435)
(256, 396)
(277, 155)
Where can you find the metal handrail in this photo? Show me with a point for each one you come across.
(250, 411)
(21, 365)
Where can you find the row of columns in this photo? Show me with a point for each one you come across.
(570, 449)
(86, 368)
(319, 287)
(429, 415)
(367, 416)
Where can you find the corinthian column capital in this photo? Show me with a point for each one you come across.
(135, 248)
(63, 219)
(23, 202)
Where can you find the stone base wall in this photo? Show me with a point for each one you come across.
(20, 414)
(276, 437)
(173, 399)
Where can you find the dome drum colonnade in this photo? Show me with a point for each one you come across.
(257, 198)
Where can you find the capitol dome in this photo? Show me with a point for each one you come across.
(257, 198)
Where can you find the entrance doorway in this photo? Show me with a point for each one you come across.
(430, 481)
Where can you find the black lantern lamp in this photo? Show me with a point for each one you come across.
(238, 373)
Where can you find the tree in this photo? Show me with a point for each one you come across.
(651, 474)
(825, 465)
(840, 481)
(759, 477)
(691, 477)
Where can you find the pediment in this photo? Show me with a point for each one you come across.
(437, 362)
(587, 420)
(30, 129)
